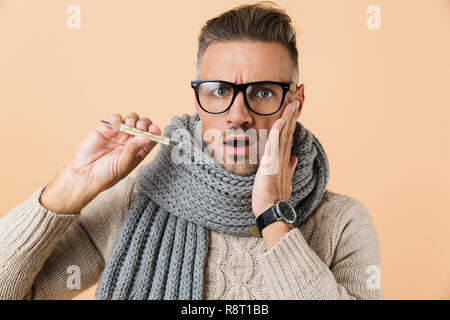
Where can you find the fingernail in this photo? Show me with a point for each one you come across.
(294, 107)
(152, 127)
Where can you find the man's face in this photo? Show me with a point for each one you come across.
(242, 62)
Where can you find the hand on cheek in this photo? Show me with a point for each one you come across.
(273, 180)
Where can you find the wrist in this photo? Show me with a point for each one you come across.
(67, 193)
(276, 222)
(278, 227)
(274, 232)
(257, 211)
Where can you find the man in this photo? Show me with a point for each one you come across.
(205, 219)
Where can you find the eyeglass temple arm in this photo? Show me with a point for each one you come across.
(293, 87)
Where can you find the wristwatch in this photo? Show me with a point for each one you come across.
(281, 210)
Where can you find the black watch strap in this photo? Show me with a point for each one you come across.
(266, 218)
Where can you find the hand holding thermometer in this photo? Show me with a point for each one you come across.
(135, 131)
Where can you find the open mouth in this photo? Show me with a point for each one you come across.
(238, 145)
(235, 142)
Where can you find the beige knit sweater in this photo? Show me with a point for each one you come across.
(334, 254)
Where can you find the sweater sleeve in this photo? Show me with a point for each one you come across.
(45, 255)
(294, 271)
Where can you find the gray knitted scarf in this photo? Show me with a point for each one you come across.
(183, 193)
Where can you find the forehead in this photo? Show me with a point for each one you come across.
(246, 61)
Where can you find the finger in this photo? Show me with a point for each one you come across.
(131, 119)
(143, 124)
(288, 131)
(289, 115)
(129, 158)
(153, 128)
(289, 110)
(272, 142)
(115, 118)
(294, 161)
(147, 145)
(266, 163)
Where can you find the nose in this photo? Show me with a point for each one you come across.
(239, 115)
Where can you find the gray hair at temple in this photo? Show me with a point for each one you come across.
(263, 21)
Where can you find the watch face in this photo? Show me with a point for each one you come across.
(286, 211)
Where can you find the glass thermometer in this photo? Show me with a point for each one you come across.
(135, 131)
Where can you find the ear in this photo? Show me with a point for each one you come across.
(300, 96)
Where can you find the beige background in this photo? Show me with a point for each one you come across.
(378, 100)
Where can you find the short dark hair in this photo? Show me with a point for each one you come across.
(263, 21)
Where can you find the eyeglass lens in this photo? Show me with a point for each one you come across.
(264, 98)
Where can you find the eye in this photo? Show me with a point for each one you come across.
(264, 93)
(221, 92)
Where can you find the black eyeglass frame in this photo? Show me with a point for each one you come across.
(286, 86)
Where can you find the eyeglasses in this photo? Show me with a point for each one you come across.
(261, 97)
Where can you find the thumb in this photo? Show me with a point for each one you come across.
(132, 148)
(294, 161)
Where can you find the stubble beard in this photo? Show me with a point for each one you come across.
(236, 164)
(241, 169)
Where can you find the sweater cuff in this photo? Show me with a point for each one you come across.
(30, 231)
(290, 266)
